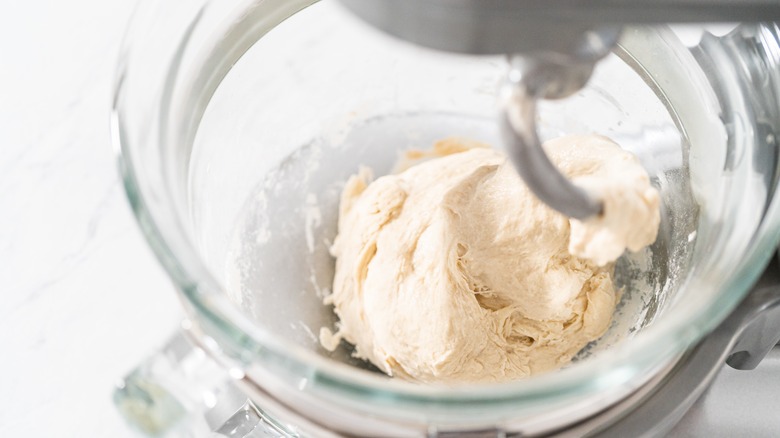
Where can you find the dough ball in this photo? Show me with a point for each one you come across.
(452, 271)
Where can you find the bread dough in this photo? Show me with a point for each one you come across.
(453, 271)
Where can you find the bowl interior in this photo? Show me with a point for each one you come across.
(302, 110)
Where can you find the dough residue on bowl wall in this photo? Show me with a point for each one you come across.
(452, 271)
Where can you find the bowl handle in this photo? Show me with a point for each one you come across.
(181, 391)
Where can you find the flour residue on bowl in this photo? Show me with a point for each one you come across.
(280, 261)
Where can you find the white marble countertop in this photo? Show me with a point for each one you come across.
(84, 299)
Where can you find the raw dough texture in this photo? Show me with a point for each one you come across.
(452, 271)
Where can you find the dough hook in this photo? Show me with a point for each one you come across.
(552, 48)
(528, 80)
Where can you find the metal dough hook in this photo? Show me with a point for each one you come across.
(527, 81)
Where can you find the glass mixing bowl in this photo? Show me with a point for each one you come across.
(237, 123)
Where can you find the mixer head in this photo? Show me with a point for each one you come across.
(552, 48)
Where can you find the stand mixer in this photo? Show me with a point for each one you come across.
(194, 146)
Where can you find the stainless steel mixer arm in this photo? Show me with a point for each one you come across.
(559, 40)
(524, 26)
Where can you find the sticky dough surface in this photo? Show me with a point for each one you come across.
(452, 271)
